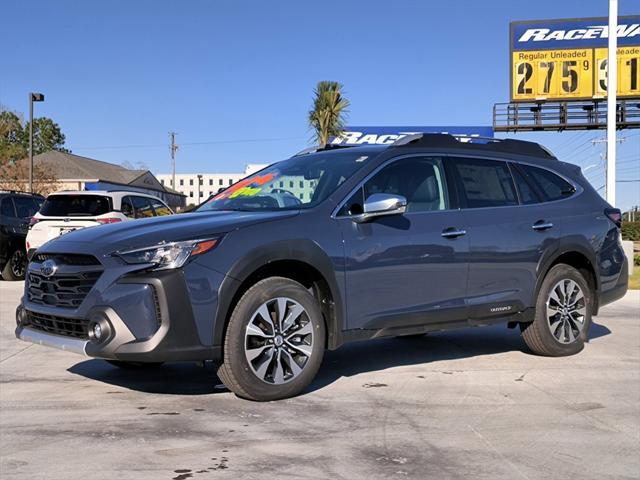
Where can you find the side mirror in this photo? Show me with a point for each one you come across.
(382, 204)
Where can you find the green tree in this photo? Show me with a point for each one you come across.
(14, 149)
(327, 117)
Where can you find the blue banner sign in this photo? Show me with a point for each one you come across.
(388, 135)
(572, 33)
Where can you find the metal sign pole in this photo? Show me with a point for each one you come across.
(612, 83)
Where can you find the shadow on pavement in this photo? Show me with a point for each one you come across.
(351, 359)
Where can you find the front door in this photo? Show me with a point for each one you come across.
(405, 270)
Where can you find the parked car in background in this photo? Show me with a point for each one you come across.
(424, 235)
(64, 212)
(16, 209)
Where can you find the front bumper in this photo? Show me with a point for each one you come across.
(145, 317)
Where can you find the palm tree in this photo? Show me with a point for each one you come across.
(328, 113)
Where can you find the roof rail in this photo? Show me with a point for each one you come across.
(443, 140)
(21, 192)
(328, 146)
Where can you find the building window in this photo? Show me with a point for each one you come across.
(210, 181)
(220, 182)
(191, 181)
(201, 194)
(301, 184)
(301, 195)
(291, 184)
(200, 180)
(191, 194)
(181, 182)
(231, 181)
(162, 181)
(281, 184)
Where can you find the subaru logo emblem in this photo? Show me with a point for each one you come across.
(48, 268)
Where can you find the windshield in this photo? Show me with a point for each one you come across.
(75, 205)
(300, 182)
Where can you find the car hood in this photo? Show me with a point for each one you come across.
(105, 239)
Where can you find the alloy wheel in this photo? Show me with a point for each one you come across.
(278, 340)
(566, 311)
(18, 263)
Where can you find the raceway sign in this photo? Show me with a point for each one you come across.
(388, 135)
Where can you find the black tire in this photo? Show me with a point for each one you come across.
(135, 365)
(237, 373)
(15, 267)
(538, 335)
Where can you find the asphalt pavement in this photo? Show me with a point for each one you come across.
(469, 403)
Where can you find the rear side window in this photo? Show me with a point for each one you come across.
(25, 207)
(6, 207)
(126, 207)
(160, 208)
(550, 185)
(142, 207)
(527, 195)
(485, 183)
(75, 206)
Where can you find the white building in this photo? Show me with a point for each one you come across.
(199, 186)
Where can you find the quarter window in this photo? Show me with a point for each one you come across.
(485, 183)
(527, 195)
(551, 185)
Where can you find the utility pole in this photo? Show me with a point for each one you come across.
(605, 158)
(612, 86)
(173, 147)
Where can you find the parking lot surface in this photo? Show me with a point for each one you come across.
(462, 404)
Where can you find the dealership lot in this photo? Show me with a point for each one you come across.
(450, 405)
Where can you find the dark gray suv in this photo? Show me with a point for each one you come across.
(332, 246)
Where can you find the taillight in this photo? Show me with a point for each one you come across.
(33, 221)
(615, 215)
(105, 221)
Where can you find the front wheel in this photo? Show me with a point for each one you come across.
(15, 266)
(563, 314)
(274, 342)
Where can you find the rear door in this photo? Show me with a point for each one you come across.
(508, 232)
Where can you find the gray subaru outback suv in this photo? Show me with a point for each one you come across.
(332, 246)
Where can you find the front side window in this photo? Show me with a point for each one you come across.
(142, 207)
(420, 180)
(551, 185)
(485, 183)
(160, 208)
(263, 190)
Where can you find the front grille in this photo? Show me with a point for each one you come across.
(66, 258)
(69, 327)
(62, 290)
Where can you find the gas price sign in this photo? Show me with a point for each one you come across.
(567, 59)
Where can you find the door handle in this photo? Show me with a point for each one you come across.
(542, 225)
(453, 232)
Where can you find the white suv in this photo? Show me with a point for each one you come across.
(65, 212)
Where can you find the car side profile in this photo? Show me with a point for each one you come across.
(431, 233)
(67, 211)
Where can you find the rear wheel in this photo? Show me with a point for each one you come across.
(15, 266)
(274, 342)
(563, 314)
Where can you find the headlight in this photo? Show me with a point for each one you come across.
(166, 256)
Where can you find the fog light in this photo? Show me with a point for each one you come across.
(97, 331)
(22, 318)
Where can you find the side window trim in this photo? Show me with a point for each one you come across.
(386, 163)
